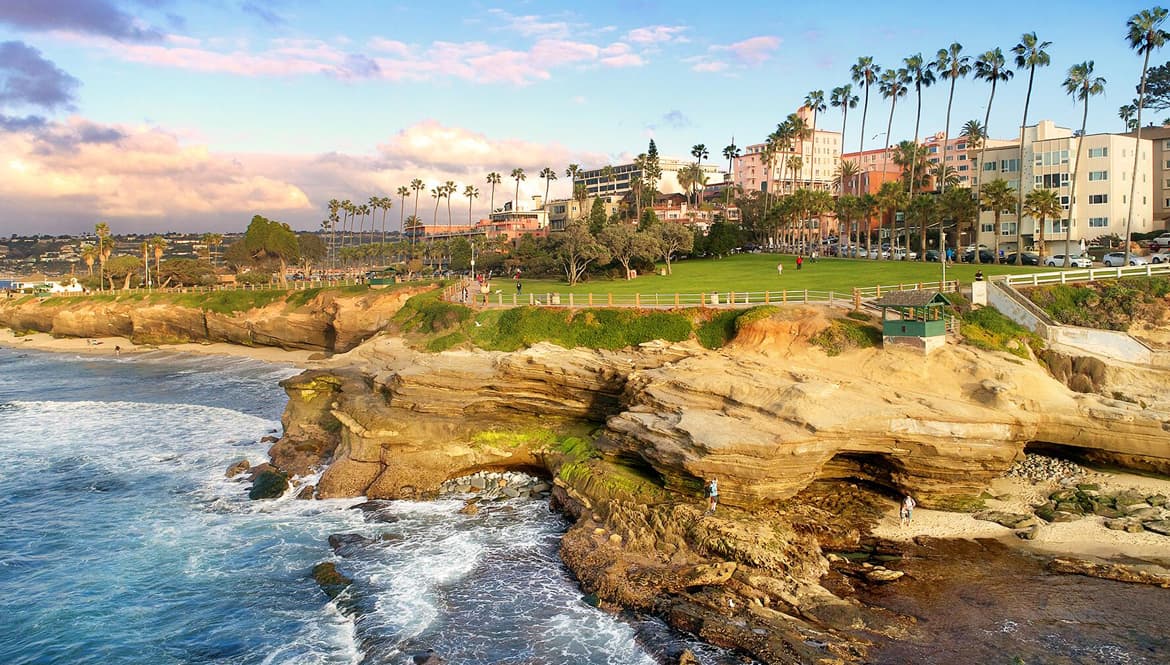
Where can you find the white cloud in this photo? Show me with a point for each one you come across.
(657, 34)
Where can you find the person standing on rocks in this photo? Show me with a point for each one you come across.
(907, 513)
(712, 496)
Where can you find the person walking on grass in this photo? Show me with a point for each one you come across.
(712, 496)
(799, 261)
(779, 269)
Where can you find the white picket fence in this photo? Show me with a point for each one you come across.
(1084, 275)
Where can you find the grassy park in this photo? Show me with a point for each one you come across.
(757, 272)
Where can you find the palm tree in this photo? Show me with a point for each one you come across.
(998, 197)
(847, 171)
(699, 152)
(417, 185)
(730, 153)
(991, 67)
(102, 231)
(843, 98)
(865, 73)
(1042, 205)
(922, 75)
(159, 245)
(89, 254)
(385, 203)
(402, 193)
(890, 199)
(815, 102)
(518, 174)
(1030, 54)
(799, 132)
(892, 86)
(1145, 35)
(974, 132)
(437, 193)
(493, 179)
(1126, 113)
(449, 188)
(471, 193)
(952, 66)
(1081, 84)
(580, 195)
(549, 175)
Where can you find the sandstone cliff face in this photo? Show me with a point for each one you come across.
(328, 322)
(766, 417)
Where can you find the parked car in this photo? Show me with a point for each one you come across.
(932, 255)
(1117, 259)
(876, 253)
(900, 254)
(1028, 259)
(1075, 261)
(985, 256)
(1161, 242)
(1161, 256)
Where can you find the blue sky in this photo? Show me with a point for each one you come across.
(163, 114)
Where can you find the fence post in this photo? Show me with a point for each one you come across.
(767, 297)
(637, 300)
(676, 300)
(806, 295)
(590, 298)
(731, 297)
(879, 291)
(609, 300)
(784, 296)
(531, 298)
(856, 299)
(702, 300)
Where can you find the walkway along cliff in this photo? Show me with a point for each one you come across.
(629, 437)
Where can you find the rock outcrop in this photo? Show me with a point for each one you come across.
(630, 437)
(329, 321)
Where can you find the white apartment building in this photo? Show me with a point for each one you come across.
(598, 185)
(1050, 162)
(819, 155)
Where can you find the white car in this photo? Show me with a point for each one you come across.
(876, 253)
(1075, 261)
(1117, 259)
(1161, 256)
(900, 254)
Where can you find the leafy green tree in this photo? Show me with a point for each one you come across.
(185, 272)
(493, 179)
(998, 197)
(122, 267)
(671, 240)
(597, 218)
(890, 199)
(575, 249)
(1157, 89)
(266, 238)
(722, 238)
(648, 220)
(923, 210)
(958, 204)
(892, 86)
(517, 175)
(1041, 205)
(311, 249)
(626, 244)
(460, 251)
(1082, 85)
(921, 74)
(549, 175)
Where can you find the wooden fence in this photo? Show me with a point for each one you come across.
(1084, 275)
(476, 295)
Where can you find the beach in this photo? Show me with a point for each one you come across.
(109, 346)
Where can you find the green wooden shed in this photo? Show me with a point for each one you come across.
(914, 318)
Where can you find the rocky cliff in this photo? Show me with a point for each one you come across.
(629, 438)
(330, 320)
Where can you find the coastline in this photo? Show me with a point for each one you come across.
(105, 346)
(1086, 538)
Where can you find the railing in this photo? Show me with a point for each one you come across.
(473, 293)
(1084, 275)
(297, 285)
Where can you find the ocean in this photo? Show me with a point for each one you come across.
(123, 542)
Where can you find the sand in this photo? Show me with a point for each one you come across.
(105, 346)
(1086, 538)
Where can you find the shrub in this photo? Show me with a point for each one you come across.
(843, 334)
(985, 328)
(427, 314)
(717, 330)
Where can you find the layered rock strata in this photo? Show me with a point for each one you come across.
(629, 438)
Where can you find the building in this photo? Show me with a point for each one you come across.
(1050, 161)
(562, 211)
(959, 157)
(820, 154)
(675, 209)
(1160, 142)
(597, 184)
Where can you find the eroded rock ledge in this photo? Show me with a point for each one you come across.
(628, 438)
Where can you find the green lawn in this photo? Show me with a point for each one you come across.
(757, 272)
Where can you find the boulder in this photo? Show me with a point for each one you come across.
(1128, 498)
(1062, 516)
(882, 575)
(708, 574)
(1009, 520)
(428, 657)
(268, 485)
(329, 579)
(1156, 500)
(237, 468)
(1161, 527)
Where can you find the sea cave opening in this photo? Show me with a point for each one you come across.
(877, 472)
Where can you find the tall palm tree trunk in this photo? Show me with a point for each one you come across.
(979, 174)
(1020, 166)
(861, 169)
(1072, 194)
(885, 165)
(1137, 151)
(942, 237)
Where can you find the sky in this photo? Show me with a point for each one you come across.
(174, 115)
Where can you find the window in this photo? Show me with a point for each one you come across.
(1052, 180)
(1098, 152)
(1064, 202)
(1166, 203)
(1051, 158)
(1009, 229)
(1166, 144)
(1006, 165)
(987, 228)
(989, 166)
(1098, 175)
(963, 146)
(933, 149)
(1098, 198)
(1052, 226)
(1098, 222)
(962, 158)
(962, 167)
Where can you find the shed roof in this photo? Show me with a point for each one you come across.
(918, 298)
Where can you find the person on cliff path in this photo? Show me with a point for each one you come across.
(712, 496)
(799, 262)
(907, 513)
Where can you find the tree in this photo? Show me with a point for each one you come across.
(417, 185)
(1145, 35)
(517, 175)
(892, 86)
(998, 197)
(923, 210)
(990, 67)
(921, 74)
(185, 272)
(266, 238)
(1041, 205)
(730, 153)
(158, 244)
(959, 205)
(890, 199)
(1030, 54)
(951, 66)
(549, 175)
(1157, 95)
(865, 73)
(575, 249)
(721, 239)
(815, 102)
(847, 172)
(89, 254)
(670, 240)
(626, 244)
(122, 267)
(471, 193)
(844, 99)
(105, 247)
(597, 217)
(911, 158)
(699, 152)
(311, 249)
(1127, 113)
(450, 190)
(1082, 85)
(580, 195)
(493, 179)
